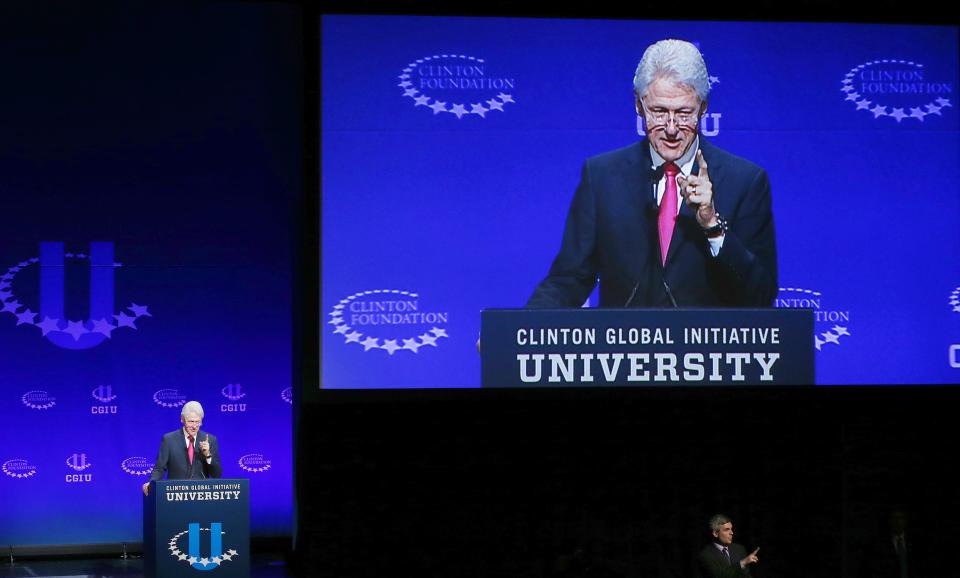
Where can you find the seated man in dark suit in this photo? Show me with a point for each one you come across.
(723, 558)
(672, 220)
(187, 454)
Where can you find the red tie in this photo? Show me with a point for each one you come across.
(190, 449)
(668, 210)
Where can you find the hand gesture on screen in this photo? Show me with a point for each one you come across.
(697, 191)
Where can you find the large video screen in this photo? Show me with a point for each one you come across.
(452, 146)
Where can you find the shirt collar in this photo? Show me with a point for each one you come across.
(685, 162)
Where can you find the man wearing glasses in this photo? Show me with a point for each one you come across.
(670, 221)
(187, 453)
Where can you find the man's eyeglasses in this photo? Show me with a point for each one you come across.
(663, 117)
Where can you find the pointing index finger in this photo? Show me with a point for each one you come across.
(703, 164)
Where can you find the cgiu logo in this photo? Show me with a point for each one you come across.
(56, 324)
(78, 463)
(103, 393)
(193, 555)
(233, 392)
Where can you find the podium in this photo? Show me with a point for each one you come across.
(646, 347)
(197, 525)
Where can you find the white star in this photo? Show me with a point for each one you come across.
(204, 561)
(847, 88)
(390, 345)
(370, 343)
(421, 100)
(411, 344)
(917, 113)
(428, 339)
(405, 84)
(139, 310)
(495, 104)
(817, 343)
(182, 556)
(354, 337)
(459, 110)
(342, 329)
(124, 320)
(933, 109)
(898, 114)
(11, 306)
(853, 96)
(226, 556)
(943, 102)
(439, 332)
(861, 104)
(505, 98)
(232, 552)
(192, 560)
(830, 337)
(439, 106)
(879, 111)
(478, 108)
(25, 317)
(215, 559)
(411, 92)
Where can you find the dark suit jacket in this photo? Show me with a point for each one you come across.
(172, 458)
(611, 234)
(713, 564)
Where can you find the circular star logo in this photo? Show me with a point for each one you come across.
(169, 398)
(897, 89)
(366, 318)
(18, 468)
(831, 325)
(254, 463)
(136, 466)
(455, 84)
(181, 556)
(38, 399)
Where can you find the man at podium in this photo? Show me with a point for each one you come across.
(672, 220)
(187, 453)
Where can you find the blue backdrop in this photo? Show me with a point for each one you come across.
(451, 148)
(150, 166)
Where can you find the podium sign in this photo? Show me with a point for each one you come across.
(646, 347)
(196, 526)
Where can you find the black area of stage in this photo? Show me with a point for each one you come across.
(621, 482)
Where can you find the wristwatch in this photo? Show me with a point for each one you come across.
(717, 230)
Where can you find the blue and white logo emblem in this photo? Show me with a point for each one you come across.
(899, 89)
(169, 398)
(78, 462)
(254, 463)
(287, 395)
(136, 466)
(56, 324)
(233, 392)
(955, 300)
(193, 554)
(456, 84)
(38, 399)
(387, 319)
(19, 468)
(831, 325)
(103, 393)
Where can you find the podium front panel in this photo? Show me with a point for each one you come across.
(646, 347)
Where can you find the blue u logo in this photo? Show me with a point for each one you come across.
(52, 294)
(216, 547)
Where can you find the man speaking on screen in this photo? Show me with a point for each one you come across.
(187, 453)
(672, 220)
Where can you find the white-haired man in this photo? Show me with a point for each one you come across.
(186, 453)
(672, 220)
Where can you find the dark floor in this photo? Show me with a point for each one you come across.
(261, 566)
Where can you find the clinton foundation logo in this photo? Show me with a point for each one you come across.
(58, 274)
(19, 469)
(194, 556)
(254, 463)
(169, 397)
(390, 320)
(38, 399)
(899, 89)
(136, 466)
(831, 326)
(457, 84)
